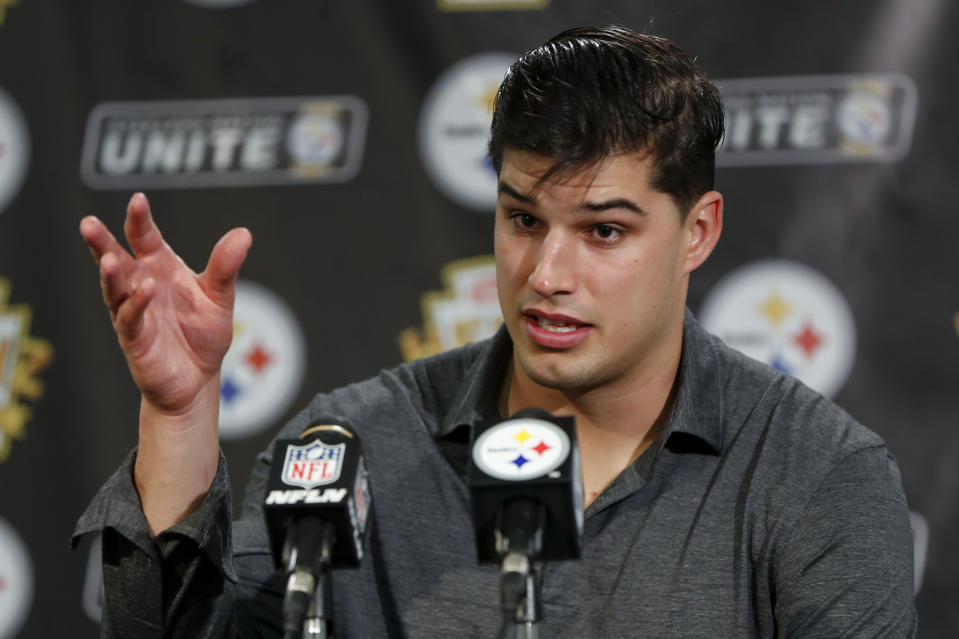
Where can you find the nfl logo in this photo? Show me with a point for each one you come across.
(311, 465)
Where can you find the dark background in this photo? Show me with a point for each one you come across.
(353, 259)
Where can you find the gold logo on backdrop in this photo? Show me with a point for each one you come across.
(4, 5)
(21, 358)
(467, 310)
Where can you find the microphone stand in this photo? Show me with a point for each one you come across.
(320, 614)
(519, 541)
(307, 608)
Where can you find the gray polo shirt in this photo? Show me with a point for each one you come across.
(763, 510)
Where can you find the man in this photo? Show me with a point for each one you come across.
(723, 498)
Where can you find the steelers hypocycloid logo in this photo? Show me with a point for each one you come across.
(454, 129)
(263, 370)
(789, 316)
(519, 449)
(16, 581)
(14, 149)
(864, 118)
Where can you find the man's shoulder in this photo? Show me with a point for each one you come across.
(758, 396)
(797, 447)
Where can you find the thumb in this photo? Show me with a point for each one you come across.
(219, 278)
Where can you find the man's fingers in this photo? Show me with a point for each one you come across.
(113, 281)
(225, 261)
(129, 316)
(98, 238)
(141, 231)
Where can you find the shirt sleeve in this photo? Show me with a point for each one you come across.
(846, 570)
(183, 583)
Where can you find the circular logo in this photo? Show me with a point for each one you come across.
(264, 367)
(16, 581)
(519, 449)
(786, 315)
(864, 118)
(14, 149)
(315, 139)
(454, 130)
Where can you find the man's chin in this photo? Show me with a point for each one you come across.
(568, 377)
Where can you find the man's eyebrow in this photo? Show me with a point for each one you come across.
(506, 189)
(615, 203)
(595, 207)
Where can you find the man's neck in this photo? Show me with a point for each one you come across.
(629, 404)
(615, 422)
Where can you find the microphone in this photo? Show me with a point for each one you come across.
(316, 509)
(526, 491)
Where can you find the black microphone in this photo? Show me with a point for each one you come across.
(526, 490)
(531, 457)
(316, 508)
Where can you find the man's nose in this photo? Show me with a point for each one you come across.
(555, 262)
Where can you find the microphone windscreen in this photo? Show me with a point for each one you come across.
(321, 474)
(532, 455)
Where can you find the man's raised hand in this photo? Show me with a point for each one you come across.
(173, 325)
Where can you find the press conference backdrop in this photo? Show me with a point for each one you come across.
(349, 136)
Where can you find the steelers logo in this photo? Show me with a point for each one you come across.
(864, 118)
(14, 149)
(263, 370)
(16, 581)
(454, 129)
(316, 138)
(519, 449)
(789, 316)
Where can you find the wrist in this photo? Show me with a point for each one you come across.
(177, 458)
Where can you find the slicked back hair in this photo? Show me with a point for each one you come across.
(589, 93)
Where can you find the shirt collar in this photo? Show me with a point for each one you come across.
(698, 407)
(695, 418)
(478, 398)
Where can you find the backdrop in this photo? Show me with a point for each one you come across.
(349, 136)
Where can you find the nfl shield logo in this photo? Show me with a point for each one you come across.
(311, 465)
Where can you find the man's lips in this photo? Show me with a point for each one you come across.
(551, 330)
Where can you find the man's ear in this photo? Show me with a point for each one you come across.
(704, 225)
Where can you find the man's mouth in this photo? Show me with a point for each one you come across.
(555, 331)
(555, 326)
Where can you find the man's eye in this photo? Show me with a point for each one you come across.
(606, 232)
(524, 220)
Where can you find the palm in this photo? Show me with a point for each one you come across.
(173, 325)
(184, 334)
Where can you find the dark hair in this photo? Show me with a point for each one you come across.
(592, 92)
